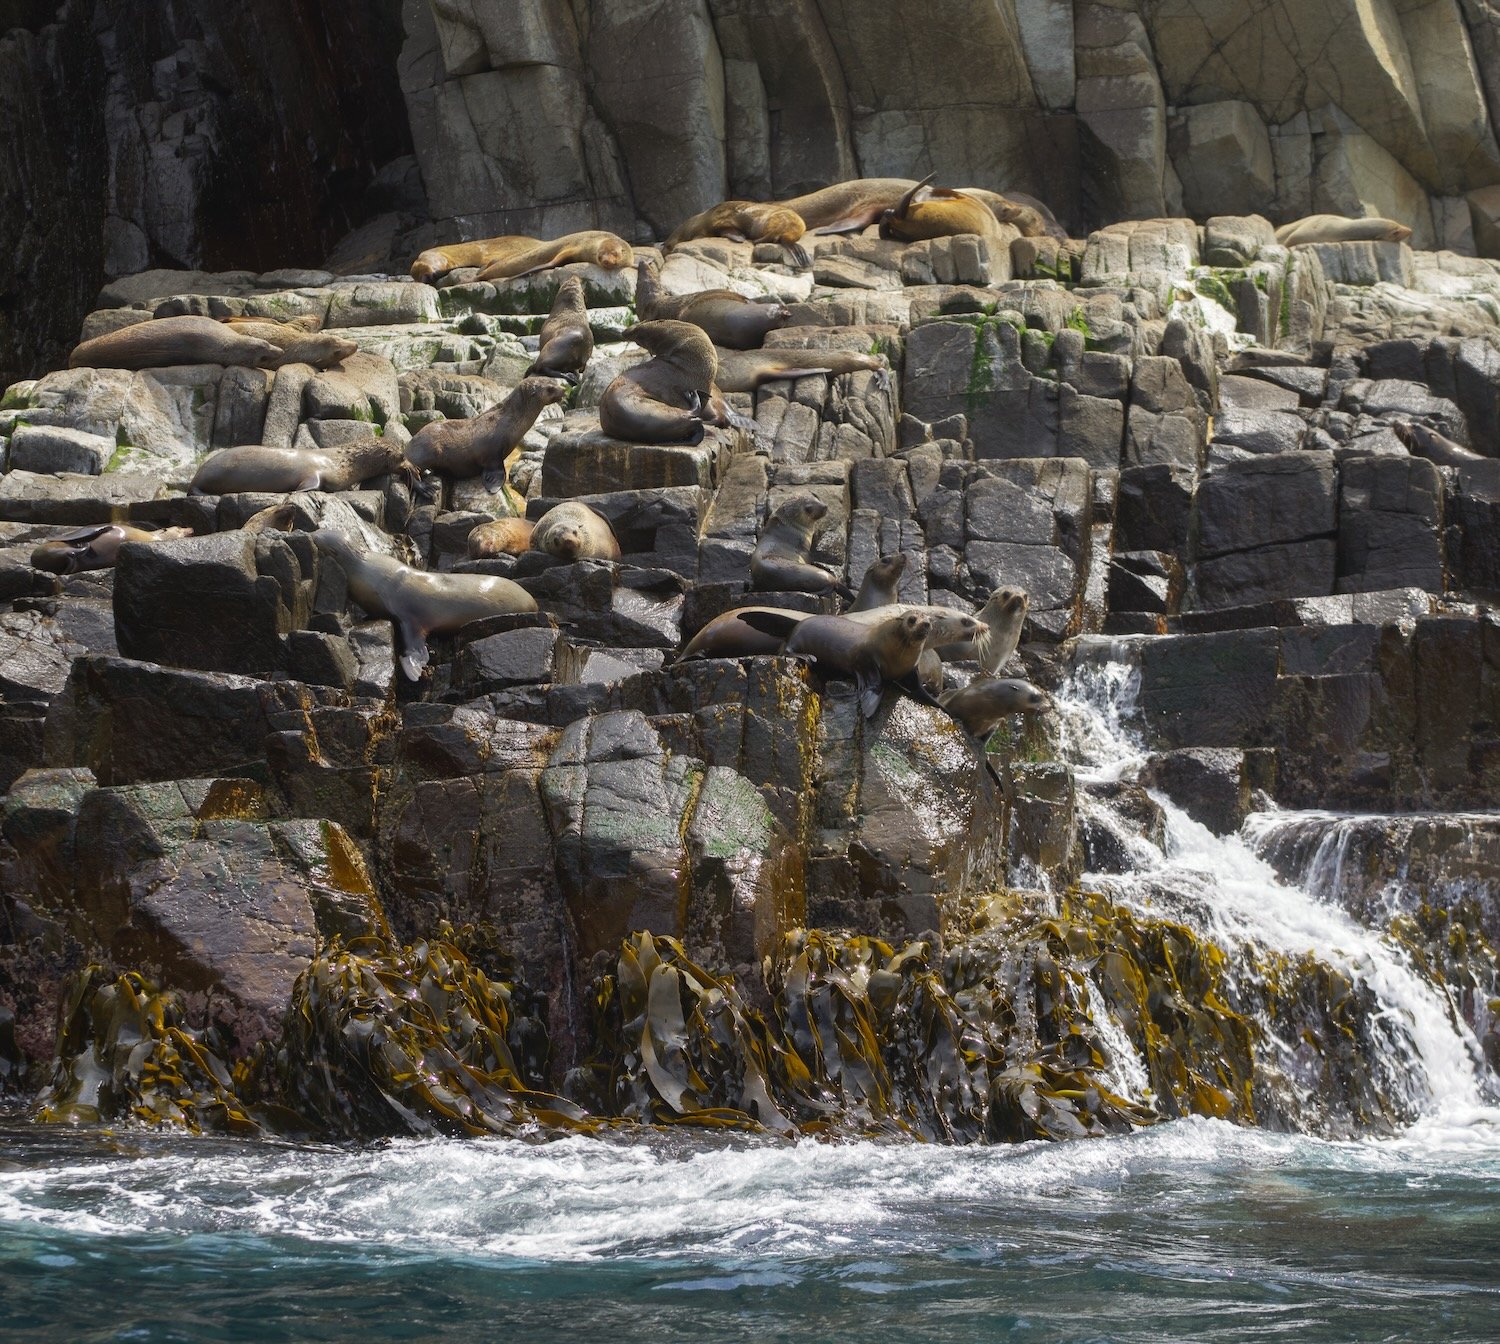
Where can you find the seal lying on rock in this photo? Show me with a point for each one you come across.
(745, 370)
(869, 654)
(668, 399)
(847, 207)
(573, 531)
(96, 547)
(779, 563)
(747, 222)
(567, 340)
(298, 343)
(273, 518)
(1341, 229)
(1026, 213)
(981, 705)
(505, 536)
(485, 444)
(939, 212)
(729, 319)
(879, 586)
(731, 635)
(418, 602)
(1004, 615)
(1421, 441)
(264, 469)
(166, 341)
(516, 254)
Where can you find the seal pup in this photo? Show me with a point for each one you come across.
(1005, 615)
(516, 254)
(869, 654)
(747, 222)
(980, 706)
(96, 547)
(165, 341)
(729, 319)
(504, 536)
(264, 469)
(418, 602)
(573, 531)
(1421, 441)
(485, 444)
(298, 343)
(567, 340)
(746, 370)
(667, 399)
(847, 207)
(1341, 229)
(879, 586)
(731, 635)
(779, 562)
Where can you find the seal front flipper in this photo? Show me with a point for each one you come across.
(312, 481)
(494, 480)
(799, 255)
(414, 655)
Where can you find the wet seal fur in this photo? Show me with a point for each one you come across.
(747, 222)
(166, 341)
(516, 254)
(573, 531)
(262, 468)
(95, 547)
(879, 587)
(1422, 441)
(728, 319)
(1005, 615)
(484, 444)
(980, 706)
(668, 398)
(567, 340)
(504, 536)
(298, 342)
(1341, 229)
(779, 562)
(420, 603)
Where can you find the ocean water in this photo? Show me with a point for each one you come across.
(1190, 1231)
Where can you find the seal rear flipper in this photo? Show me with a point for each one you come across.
(494, 480)
(769, 623)
(79, 535)
(414, 655)
(870, 688)
(799, 255)
(849, 223)
(911, 683)
(843, 590)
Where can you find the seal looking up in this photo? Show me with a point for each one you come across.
(747, 222)
(418, 602)
(669, 397)
(779, 563)
(516, 254)
(728, 319)
(879, 586)
(567, 340)
(96, 547)
(264, 469)
(1004, 615)
(573, 531)
(485, 444)
(165, 341)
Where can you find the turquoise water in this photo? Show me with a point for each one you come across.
(1191, 1231)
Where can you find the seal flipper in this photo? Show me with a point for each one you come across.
(495, 479)
(911, 683)
(414, 655)
(870, 687)
(311, 481)
(799, 255)
(80, 535)
(768, 623)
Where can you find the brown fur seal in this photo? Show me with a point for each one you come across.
(847, 207)
(731, 636)
(947, 625)
(745, 370)
(274, 518)
(505, 536)
(420, 603)
(96, 547)
(1341, 229)
(165, 341)
(747, 222)
(516, 254)
(779, 563)
(263, 469)
(729, 319)
(573, 531)
(666, 399)
(1421, 441)
(567, 341)
(870, 654)
(298, 344)
(484, 444)
(941, 213)
(1004, 614)
(984, 702)
(1026, 213)
(879, 586)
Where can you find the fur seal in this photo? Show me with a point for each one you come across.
(745, 370)
(96, 547)
(1422, 441)
(984, 702)
(846, 207)
(729, 319)
(1026, 213)
(939, 212)
(1341, 229)
(264, 469)
(747, 222)
(516, 254)
(567, 341)
(505, 536)
(666, 399)
(947, 625)
(298, 343)
(274, 518)
(1005, 615)
(869, 654)
(779, 563)
(420, 603)
(165, 341)
(732, 636)
(484, 444)
(573, 531)
(879, 586)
